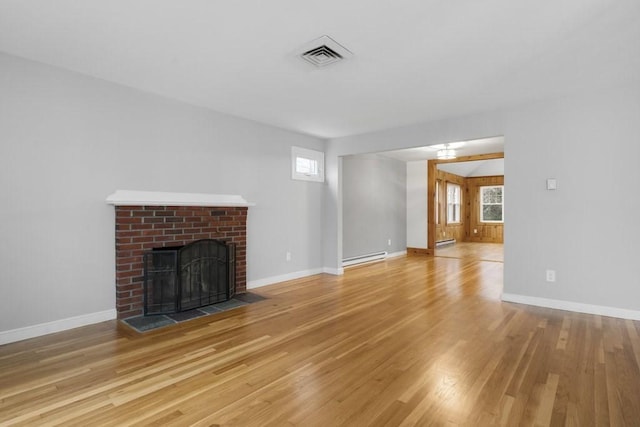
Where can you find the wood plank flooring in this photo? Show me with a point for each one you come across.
(472, 250)
(408, 341)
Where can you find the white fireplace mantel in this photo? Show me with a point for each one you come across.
(158, 198)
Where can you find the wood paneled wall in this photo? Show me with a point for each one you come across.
(476, 231)
(470, 229)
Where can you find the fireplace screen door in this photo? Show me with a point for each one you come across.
(187, 277)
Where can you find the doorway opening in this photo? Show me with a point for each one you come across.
(466, 207)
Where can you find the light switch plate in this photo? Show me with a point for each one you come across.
(552, 184)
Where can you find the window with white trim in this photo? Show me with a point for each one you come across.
(307, 165)
(492, 204)
(453, 203)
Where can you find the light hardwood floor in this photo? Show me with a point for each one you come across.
(472, 250)
(409, 341)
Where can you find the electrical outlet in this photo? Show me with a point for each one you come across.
(389, 242)
(551, 275)
(288, 256)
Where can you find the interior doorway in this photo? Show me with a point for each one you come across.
(466, 207)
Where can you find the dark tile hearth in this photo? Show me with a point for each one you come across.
(249, 297)
(228, 305)
(186, 315)
(149, 323)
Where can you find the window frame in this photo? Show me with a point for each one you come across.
(437, 202)
(459, 203)
(308, 154)
(482, 204)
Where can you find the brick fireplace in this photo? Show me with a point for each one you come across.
(147, 220)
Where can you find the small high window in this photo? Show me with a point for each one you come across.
(307, 165)
(492, 203)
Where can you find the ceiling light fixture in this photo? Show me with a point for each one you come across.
(446, 153)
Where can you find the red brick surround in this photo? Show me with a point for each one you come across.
(140, 228)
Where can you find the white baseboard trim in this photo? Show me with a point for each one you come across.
(381, 256)
(363, 259)
(252, 284)
(600, 310)
(33, 331)
(396, 254)
(335, 271)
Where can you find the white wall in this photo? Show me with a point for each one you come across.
(67, 141)
(374, 192)
(417, 203)
(586, 230)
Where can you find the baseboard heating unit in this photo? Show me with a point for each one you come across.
(445, 242)
(376, 256)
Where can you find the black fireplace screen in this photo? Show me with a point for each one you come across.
(186, 277)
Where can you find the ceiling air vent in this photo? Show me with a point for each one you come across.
(323, 51)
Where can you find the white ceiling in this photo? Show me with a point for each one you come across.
(415, 60)
(462, 148)
(493, 167)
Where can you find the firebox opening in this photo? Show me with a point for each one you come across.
(180, 278)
